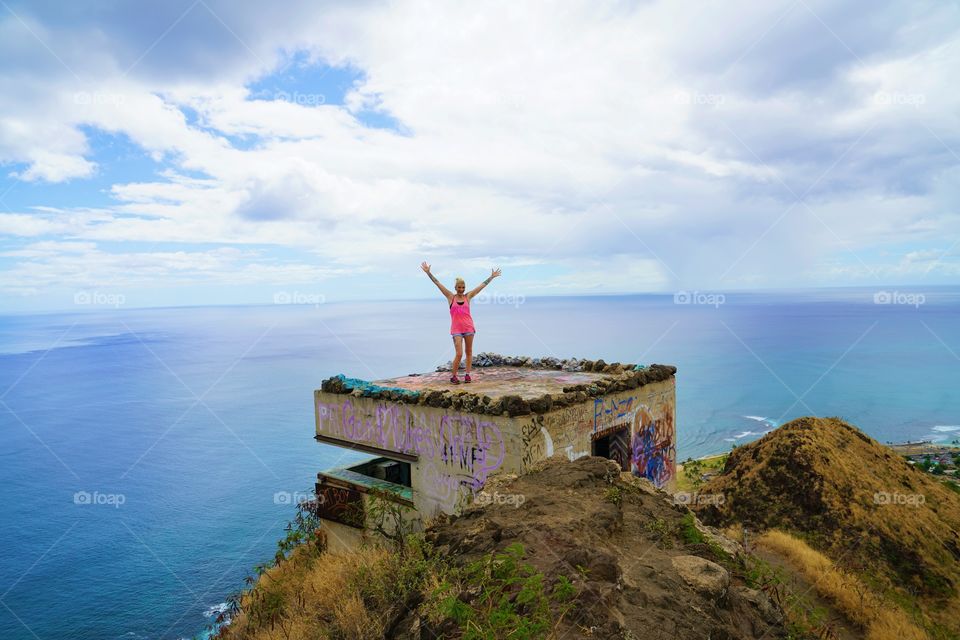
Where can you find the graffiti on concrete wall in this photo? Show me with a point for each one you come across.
(653, 451)
(609, 411)
(567, 430)
(454, 449)
(535, 442)
(636, 430)
(341, 505)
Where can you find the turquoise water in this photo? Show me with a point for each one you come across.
(149, 456)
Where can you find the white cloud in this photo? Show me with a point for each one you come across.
(54, 167)
(67, 266)
(675, 140)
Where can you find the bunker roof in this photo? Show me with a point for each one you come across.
(511, 385)
(499, 381)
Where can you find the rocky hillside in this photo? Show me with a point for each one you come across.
(642, 566)
(856, 501)
(572, 550)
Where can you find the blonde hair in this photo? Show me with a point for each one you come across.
(459, 280)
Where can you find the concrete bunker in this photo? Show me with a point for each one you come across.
(435, 444)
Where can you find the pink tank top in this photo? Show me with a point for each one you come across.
(460, 320)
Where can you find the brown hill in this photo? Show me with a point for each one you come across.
(644, 567)
(572, 550)
(856, 501)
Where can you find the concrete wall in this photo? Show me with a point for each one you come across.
(456, 452)
(341, 538)
(645, 415)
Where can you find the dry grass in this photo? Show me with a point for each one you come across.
(881, 620)
(368, 592)
(312, 597)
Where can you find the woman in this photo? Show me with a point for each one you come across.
(461, 324)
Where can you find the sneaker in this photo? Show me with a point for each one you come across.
(454, 379)
(466, 378)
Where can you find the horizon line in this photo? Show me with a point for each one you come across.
(106, 307)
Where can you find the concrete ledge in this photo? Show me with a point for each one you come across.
(533, 386)
(366, 448)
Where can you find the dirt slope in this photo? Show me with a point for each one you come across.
(641, 566)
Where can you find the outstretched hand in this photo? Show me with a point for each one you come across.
(425, 266)
(495, 272)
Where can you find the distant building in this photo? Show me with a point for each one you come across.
(436, 443)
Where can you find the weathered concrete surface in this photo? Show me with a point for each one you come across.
(497, 382)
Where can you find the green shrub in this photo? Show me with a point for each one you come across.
(501, 597)
(689, 532)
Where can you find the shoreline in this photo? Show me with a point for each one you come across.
(897, 446)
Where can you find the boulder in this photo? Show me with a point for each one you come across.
(705, 577)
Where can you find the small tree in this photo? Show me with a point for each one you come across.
(693, 470)
(390, 518)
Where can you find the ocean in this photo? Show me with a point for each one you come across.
(150, 456)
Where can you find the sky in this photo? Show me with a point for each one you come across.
(224, 152)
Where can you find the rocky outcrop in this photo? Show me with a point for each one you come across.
(625, 546)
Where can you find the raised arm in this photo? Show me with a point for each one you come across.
(446, 292)
(493, 274)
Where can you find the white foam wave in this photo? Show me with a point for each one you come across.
(212, 613)
(770, 422)
(742, 435)
(216, 610)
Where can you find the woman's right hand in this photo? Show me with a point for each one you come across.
(425, 266)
